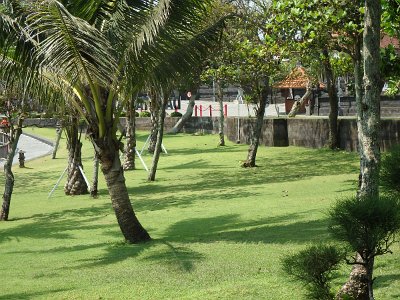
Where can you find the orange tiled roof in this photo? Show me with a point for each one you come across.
(387, 40)
(298, 78)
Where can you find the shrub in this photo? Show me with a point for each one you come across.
(314, 266)
(136, 114)
(368, 225)
(176, 114)
(390, 170)
(144, 114)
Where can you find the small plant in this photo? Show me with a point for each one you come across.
(176, 114)
(144, 114)
(136, 114)
(390, 170)
(314, 266)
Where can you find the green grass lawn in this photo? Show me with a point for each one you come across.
(219, 231)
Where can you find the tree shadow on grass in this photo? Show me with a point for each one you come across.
(281, 229)
(285, 169)
(56, 225)
(183, 258)
(178, 256)
(142, 203)
(385, 280)
(22, 296)
(205, 150)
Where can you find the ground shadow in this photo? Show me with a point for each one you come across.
(283, 229)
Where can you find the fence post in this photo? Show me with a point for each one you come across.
(201, 110)
(195, 110)
(226, 110)
(210, 111)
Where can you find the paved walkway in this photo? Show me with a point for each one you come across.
(33, 148)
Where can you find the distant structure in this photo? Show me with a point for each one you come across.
(293, 87)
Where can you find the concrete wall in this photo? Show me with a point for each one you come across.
(310, 132)
(276, 132)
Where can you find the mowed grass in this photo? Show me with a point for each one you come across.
(219, 231)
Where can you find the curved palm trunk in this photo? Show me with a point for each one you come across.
(221, 114)
(186, 116)
(250, 162)
(8, 174)
(157, 150)
(95, 180)
(58, 138)
(129, 152)
(75, 184)
(108, 152)
(297, 104)
(333, 141)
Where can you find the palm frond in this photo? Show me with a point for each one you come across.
(70, 45)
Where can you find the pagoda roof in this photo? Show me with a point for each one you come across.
(297, 79)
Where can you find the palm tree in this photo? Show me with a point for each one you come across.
(97, 50)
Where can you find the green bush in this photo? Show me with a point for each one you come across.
(314, 266)
(136, 114)
(144, 114)
(368, 225)
(176, 114)
(390, 170)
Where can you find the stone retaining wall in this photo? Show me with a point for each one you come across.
(276, 132)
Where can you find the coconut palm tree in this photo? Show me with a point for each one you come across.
(97, 50)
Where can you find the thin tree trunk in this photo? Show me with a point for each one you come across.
(186, 116)
(108, 152)
(8, 174)
(95, 181)
(130, 147)
(333, 141)
(160, 134)
(221, 120)
(297, 104)
(256, 133)
(154, 111)
(75, 184)
(369, 109)
(58, 138)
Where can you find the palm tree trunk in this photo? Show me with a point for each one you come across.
(129, 153)
(108, 151)
(333, 141)
(220, 96)
(160, 134)
(95, 181)
(8, 174)
(58, 138)
(75, 184)
(250, 162)
(186, 116)
(297, 104)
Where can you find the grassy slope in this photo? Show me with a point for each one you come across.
(219, 231)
